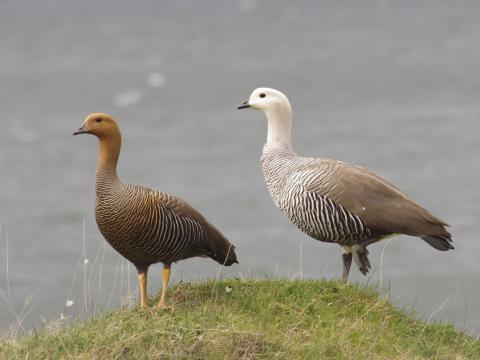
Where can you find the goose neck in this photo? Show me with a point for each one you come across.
(108, 154)
(279, 129)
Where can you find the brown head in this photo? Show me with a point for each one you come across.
(101, 125)
(105, 128)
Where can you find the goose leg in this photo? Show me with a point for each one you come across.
(165, 280)
(360, 256)
(347, 261)
(142, 280)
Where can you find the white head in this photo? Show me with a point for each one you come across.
(266, 100)
(278, 111)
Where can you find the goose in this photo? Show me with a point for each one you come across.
(333, 201)
(147, 226)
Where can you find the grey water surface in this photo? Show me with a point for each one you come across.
(392, 86)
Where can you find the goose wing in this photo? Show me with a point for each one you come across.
(218, 246)
(380, 205)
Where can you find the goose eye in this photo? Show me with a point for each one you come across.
(262, 95)
(98, 120)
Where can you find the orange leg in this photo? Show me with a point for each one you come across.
(142, 280)
(165, 280)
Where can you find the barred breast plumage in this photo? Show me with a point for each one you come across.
(144, 225)
(288, 178)
(333, 201)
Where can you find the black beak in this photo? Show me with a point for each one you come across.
(244, 105)
(81, 130)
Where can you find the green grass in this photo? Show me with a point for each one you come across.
(265, 319)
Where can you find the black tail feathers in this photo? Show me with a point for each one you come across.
(227, 257)
(442, 243)
(223, 252)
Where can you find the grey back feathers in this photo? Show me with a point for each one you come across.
(336, 202)
(147, 226)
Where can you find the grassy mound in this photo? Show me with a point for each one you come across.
(248, 319)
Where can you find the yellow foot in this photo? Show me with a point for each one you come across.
(164, 307)
(144, 306)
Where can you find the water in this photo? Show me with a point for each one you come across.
(392, 86)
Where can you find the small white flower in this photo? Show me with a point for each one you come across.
(228, 289)
(69, 303)
(86, 261)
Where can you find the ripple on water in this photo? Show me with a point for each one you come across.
(156, 80)
(128, 98)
